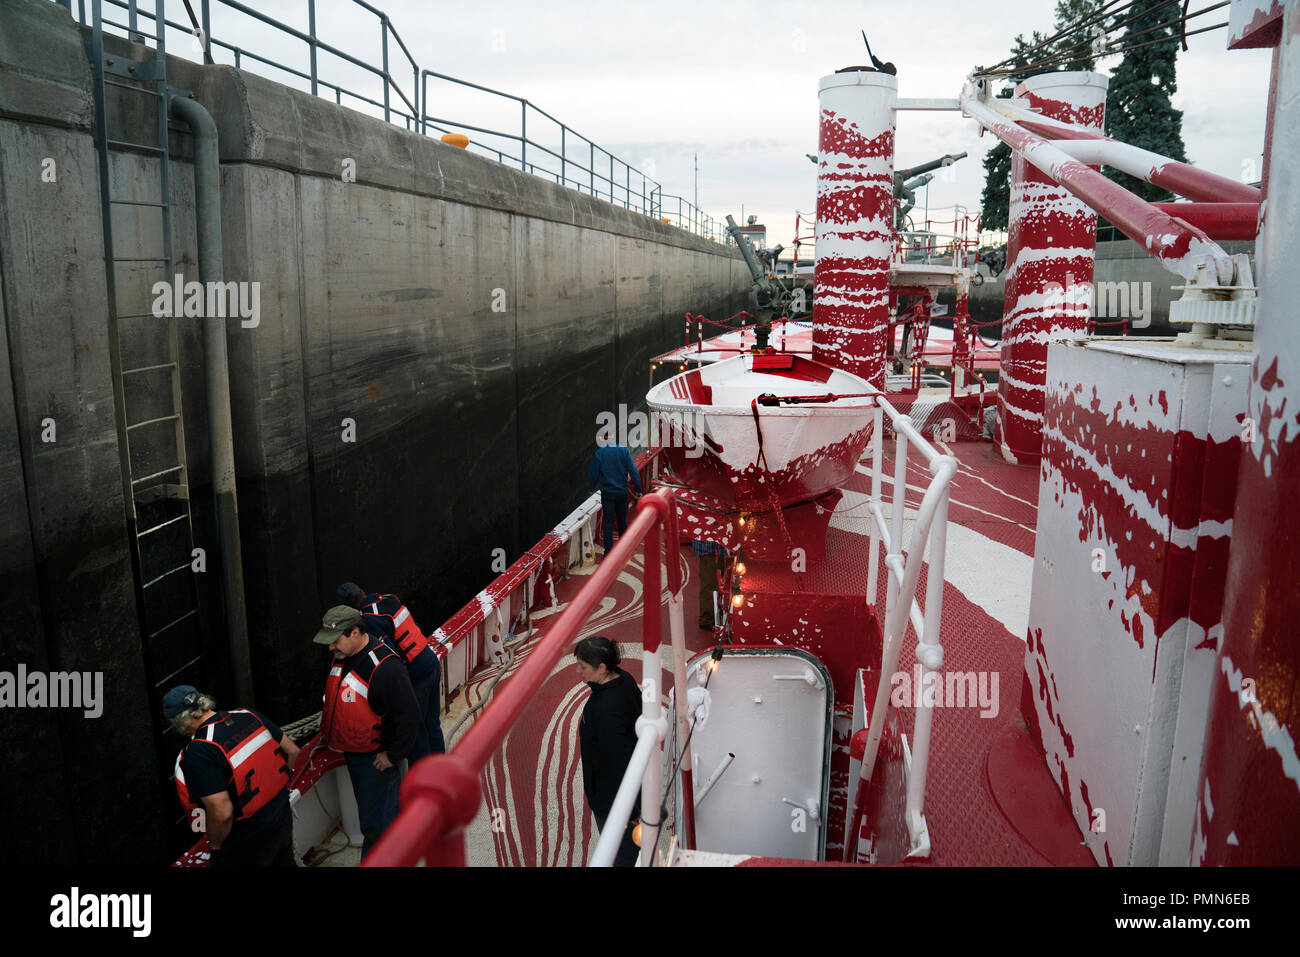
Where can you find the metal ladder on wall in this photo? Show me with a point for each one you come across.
(145, 363)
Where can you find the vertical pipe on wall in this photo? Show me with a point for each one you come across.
(1052, 238)
(207, 188)
(855, 201)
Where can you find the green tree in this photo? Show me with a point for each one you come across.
(995, 201)
(1080, 47)
(1076, 50)
(1138, 107)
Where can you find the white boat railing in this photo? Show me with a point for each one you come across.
(649, 732)
(931, 527)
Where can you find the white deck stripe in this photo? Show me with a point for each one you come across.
(994, 576)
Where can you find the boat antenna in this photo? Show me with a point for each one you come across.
(882, 67)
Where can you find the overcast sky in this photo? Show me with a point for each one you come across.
(736, 82)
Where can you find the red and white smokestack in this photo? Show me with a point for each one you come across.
(1248, 798)
(1052, 238)
(855, 230)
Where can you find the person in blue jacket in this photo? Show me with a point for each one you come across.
(611, 468)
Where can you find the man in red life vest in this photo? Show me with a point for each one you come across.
(370, 714)
(233, 780)
(387, 618)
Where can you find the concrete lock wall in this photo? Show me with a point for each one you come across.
(471, 425)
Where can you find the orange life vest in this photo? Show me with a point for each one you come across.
(348, 722)
(259, 770)
(410, 639)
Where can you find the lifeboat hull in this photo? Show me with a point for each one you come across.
(788, 453)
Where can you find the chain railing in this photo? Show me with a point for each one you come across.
(573, 160)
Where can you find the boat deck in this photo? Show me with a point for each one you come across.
(990, 798)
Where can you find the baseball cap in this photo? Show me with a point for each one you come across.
(337, 621)
(350, 593)
(173, 702)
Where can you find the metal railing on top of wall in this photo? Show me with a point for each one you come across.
(578, 164)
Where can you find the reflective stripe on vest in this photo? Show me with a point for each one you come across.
(410, 639)
(259, 770)
(348, 722)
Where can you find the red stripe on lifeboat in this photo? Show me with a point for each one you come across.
(697, 392)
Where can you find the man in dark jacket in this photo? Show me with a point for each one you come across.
(387, 618)
(370, 714)
(610, 469)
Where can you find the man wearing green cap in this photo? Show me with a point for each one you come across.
(370, 714)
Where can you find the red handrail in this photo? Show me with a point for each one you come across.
(441, 794)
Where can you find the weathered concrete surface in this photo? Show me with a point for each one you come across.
(474, 410)
(67, 595)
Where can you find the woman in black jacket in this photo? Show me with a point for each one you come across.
(607, 732)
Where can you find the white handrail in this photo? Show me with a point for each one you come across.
(901, 606)
(648, 735)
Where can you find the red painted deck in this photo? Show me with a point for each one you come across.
(990, 798)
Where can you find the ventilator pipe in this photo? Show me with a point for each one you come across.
(761, 283)
(207, 201)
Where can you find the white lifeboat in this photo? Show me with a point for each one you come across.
(761, 427)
